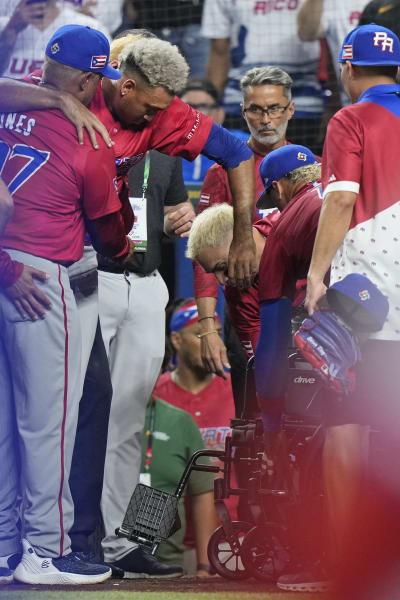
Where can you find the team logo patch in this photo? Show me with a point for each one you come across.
(301, 156)
(364, 295)
(382, 39)
(98, 62)
(204, 199)
(55, 48)
(347, 52)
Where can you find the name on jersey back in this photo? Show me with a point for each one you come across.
(17, 122)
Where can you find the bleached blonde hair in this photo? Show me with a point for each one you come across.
(119, 44)
(210, 229)
(308, 173)
(157, 61)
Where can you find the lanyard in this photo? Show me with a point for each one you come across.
(149, 434)
(146, 174)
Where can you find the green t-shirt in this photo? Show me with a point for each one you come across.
(175, 438)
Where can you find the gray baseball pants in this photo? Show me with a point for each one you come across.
(40, 382)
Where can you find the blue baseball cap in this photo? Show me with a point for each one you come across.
(278, 163)
(82, 48)
(359, 302)
(371, 45)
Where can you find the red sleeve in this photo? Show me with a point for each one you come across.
(108, 235)
(205, 284)
(97, 180)
(215, 190)
(10, 270)
(342, 156)
(35, 77)
(180, 130)
(244, 313)
(265, 224)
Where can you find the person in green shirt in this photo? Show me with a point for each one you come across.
(164, 457)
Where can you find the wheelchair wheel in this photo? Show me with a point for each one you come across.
(264, 552)
(224, 553)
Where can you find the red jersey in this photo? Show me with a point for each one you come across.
(55, 182)
(212, 409)
(288, 249)
(361, 155)
(179, 130)
(215, 190)
(243, 305)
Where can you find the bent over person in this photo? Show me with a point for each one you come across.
(58, 187)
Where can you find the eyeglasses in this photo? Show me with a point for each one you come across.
(276, 110)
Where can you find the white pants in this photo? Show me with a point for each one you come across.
(132, 318)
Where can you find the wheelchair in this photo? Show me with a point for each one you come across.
(260, 546)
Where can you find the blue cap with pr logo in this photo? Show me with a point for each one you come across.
(372, 45)
(83, 48)
(278, 163)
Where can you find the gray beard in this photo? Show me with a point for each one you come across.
(269, 140)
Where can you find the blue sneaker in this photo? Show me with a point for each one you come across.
(7, 566)
(66, 570)
(92, 558)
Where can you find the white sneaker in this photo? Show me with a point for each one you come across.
(66, 570)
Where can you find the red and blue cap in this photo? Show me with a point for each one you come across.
(184, 316)
(372, 45)
(83, 48)
(280, 162)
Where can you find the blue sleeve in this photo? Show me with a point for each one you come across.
(225, 148)
(271, 359)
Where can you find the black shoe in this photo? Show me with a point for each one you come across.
(90, 557)
(139, 563)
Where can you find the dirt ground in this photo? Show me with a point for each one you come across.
(182, 585)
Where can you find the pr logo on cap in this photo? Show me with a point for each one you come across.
(55, 48)
(301, 156)
(98, 62)
(384, 40)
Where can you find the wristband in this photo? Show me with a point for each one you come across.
(203, 318)
(200, 335)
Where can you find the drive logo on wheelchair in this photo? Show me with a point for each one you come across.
(301, 379)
